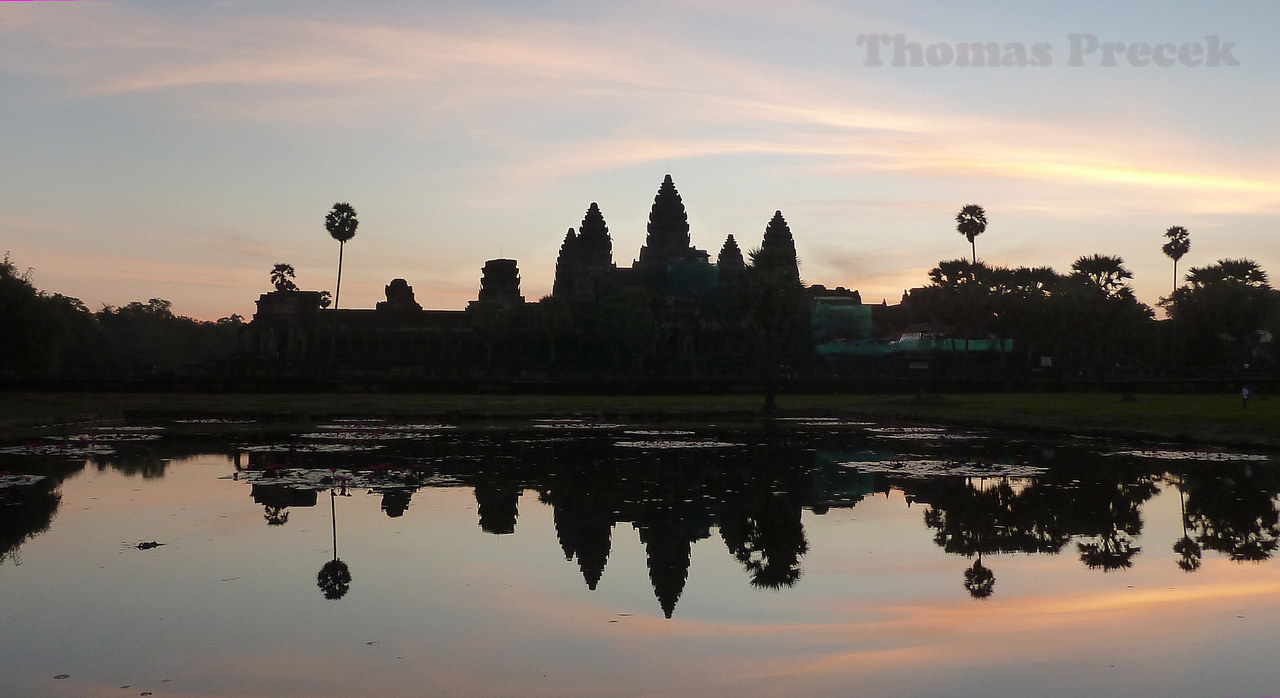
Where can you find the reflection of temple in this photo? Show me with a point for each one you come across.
(752, 499)
(671, 316)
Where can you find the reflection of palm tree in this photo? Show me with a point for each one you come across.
(763, 530)
(979, 581)
(275, 515)
(1110, 550)
(334, 579)
(1186, 547)
(1233, 510)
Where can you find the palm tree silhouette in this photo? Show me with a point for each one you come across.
(282, 277)
(1179, 244)
(971, 222)
(341, 223)
(1107, 273)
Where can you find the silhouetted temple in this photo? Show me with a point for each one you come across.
(674, 317)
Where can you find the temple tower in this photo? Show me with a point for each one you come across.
(500, 282)
(586, 257)
(730, 262)
(667, 241)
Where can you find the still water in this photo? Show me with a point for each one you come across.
(576, 557)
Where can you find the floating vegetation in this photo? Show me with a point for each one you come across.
(657, 432)
(921, 433)
(1195, 455)
(669, 444)
(63, 450)
(214, 420)
(925, 468)
(353, 425)
(366, 435)
(113, 437)
(374, 478)
(824, 422)
(10, 480)
(311, 448)
(574, 424)
(129, 429)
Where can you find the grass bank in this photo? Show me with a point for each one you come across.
(1199, 418)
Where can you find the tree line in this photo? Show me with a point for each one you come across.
(1222, 316)
(49, 334)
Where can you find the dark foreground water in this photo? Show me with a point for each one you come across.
(581, 558)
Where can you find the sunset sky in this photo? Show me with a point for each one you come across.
(180, 149)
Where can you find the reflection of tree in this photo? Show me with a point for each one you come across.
(275, 515)
(276, 499)
(1108, 514)
(334, 579)
(979, 581)
(1186, 547)
(761, 527)
(147, 462)
(396, 502)
(1110, 550)
(28, 511)
(1189, 552)
(1100, 507)
(1232, 509)
(971, 518)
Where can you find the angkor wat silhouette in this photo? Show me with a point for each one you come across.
(673, 315)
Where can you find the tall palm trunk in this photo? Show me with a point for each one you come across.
(337, 294)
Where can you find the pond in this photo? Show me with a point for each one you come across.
(577, 557)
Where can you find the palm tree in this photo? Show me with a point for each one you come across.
(282, 277)
(1105, 272)
(971, 222)
(1179, 244)
(341, 223)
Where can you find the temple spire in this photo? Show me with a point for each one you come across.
(781, 246)
(730, 262)
(594, 240)
(566, 265)
(668, 238)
